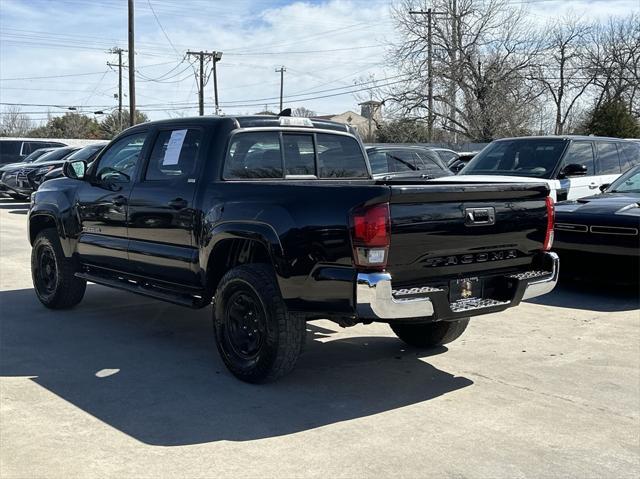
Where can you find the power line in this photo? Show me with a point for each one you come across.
(161, 27)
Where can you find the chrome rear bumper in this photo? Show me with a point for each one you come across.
(376, 300)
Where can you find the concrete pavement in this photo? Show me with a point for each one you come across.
(125, 386)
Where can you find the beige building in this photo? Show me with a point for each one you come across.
(365, 123)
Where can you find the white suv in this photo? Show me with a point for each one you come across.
(572, 166)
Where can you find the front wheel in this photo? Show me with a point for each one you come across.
(430, 335)
(258, 339)
(53, 274)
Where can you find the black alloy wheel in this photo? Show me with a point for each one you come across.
(245, 322)
(46, 273)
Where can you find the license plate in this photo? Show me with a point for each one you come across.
(465, 288)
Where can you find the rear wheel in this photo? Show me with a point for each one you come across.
(258, 339)
(53, 274)
(430, 335)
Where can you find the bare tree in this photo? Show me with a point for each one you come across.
(14, 123)
(483, 53)
(614, 61)
(304, 112)
(562, 70)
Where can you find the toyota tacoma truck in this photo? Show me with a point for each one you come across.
(277, 221)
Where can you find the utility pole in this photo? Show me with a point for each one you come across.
(281, 70)
(430, 117)
(132, 69)
(201, 90)
(215, 57)
(119, 52)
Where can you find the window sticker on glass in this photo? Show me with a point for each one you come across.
(172, 153)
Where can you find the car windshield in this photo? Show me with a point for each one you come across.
(403, 161)
(36, 154)
(627, 183)
(55, 155)
(535, 157)
(85, 153)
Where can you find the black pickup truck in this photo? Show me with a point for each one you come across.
(278, 220)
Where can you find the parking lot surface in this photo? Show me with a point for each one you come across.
(124, 386)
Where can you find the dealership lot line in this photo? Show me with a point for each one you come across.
(124, 386)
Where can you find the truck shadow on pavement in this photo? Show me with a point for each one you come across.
(593, 294)
(152, 371)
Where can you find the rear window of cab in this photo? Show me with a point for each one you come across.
(294, 155)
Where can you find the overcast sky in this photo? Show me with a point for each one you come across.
(324, 45)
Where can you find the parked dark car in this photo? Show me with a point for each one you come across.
(601, 233)
(405, 162)
(29, 159)
(13, 150)
(280, 220)
(88, 154)
(18, 181)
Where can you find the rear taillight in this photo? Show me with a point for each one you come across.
(370, 235)
(551, 219)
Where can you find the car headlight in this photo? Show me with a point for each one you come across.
(44, 170)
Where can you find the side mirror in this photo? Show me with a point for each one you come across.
(604, 186)
(75, 169)
(573, 169)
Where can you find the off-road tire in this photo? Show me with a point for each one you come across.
(430, 335)
(66, 289)
(282, 333)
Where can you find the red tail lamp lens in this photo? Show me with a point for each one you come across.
(370, 234)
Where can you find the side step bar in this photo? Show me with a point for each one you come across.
(144, 289)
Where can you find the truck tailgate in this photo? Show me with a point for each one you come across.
(445, 231)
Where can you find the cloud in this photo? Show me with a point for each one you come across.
(345, 40)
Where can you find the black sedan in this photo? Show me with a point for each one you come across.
(12, 166)
(16, 179)
(411, 162)
(602, 231)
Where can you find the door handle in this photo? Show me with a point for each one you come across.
(119, 200)
(593, 186)
(178, 204)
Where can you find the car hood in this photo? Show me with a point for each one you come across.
(607, 203)
(13, 166)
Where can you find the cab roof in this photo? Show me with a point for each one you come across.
(253, 121)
